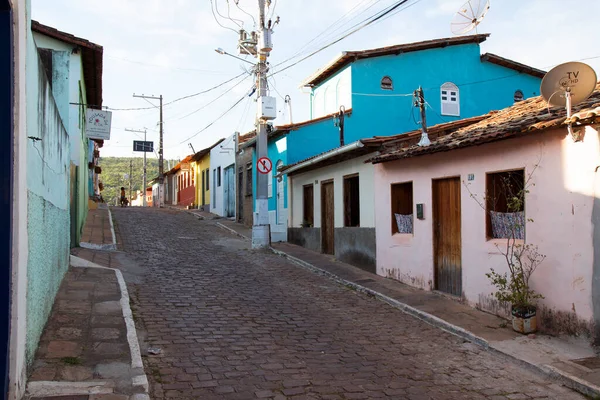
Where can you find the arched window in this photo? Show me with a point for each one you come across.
(518, 96)
(450, 99)
(387, 83)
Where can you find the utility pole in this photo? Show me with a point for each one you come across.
(144, 175)
(161, 169)
(261, 232)
(130, 178)
(420, 102)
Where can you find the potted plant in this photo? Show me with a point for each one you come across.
(513, 287)
(306, 224)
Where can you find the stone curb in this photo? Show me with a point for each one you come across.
(104, 247)
(566, 379)
(140, 380)
(112, 228)
(233, 231)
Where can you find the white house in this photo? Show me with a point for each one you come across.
(222, 163)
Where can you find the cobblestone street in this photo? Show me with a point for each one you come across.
(236, 324)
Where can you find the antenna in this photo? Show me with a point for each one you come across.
(567, 85)
(469, 16)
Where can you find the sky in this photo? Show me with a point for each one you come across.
(167, 47)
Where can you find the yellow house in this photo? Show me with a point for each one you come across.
(200, 164)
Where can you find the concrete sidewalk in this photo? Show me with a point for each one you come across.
(98, 231)
(89, 347)
(571, 360)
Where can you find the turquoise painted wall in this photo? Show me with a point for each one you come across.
(314, 139)
(48, 199)
(483, 87)
(68, 87)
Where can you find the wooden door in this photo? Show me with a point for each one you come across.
(447, 236)
(327, 218)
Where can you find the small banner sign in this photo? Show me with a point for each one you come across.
(98, 124)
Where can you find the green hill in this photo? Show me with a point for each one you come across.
(115, 168)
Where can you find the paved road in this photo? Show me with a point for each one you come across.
(237, 324)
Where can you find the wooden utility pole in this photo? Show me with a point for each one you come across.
(161, 169)
(130, 178)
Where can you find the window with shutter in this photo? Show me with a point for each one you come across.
(450, 99)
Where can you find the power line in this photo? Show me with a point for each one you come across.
(166, 104)
(363, 24)
(207, 90)
(204, 71)
(215, 121)
(217, 20)
(233, 19)
(214, 100)
(236, 2)
(322, 33)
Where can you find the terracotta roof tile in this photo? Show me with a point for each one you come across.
(348, 57)
(91, 58)
(528, 116)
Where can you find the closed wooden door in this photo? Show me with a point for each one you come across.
(327, 218)
(447, 236)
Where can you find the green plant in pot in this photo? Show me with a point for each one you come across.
(513, 287)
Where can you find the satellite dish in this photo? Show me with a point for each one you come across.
(571, 82)
(469, 16)
(566, 85)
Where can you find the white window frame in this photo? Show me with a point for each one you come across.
(450, 95)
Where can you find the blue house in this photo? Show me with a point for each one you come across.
(362, 94)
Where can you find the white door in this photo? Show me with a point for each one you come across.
(281, 214)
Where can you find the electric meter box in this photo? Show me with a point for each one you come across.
(267, 107)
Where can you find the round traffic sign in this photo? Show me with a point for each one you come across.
(264, 165)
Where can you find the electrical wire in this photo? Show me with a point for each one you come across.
(204, 71)
(215, 121)
(207, 90)
(436, 112)
(244, 114)
(354, 28)
(236, 2)
(273, 10)
(217, 20)
(44, 161)
(213, 101)
(222, 16)
(322, 33)
(363, 24)
(275, 89)
(170, 102)
(241, 24)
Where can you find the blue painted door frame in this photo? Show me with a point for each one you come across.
(6, 180)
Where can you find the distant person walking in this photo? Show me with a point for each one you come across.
(123, 198)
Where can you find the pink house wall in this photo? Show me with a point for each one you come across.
(560, 202)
